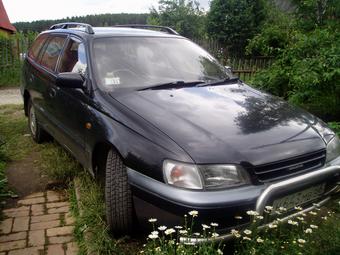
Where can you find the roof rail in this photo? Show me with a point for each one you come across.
(161, 28)
(88, 28)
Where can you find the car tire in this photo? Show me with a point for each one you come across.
(118, 196)
(38, 134)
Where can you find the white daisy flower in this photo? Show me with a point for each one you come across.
(162, 228)
(169, 231)
(193, 213)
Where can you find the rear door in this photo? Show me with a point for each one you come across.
(46, 78)
(31, 74)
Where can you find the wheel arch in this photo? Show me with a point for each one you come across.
(99, 156)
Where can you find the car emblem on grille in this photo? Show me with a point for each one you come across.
(295, 167)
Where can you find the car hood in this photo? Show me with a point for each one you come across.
(227, 123)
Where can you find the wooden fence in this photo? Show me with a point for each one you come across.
(242, 66)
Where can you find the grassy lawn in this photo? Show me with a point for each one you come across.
(314, 234)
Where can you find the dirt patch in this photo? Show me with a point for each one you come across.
(25, 177)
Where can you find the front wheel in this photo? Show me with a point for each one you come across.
(118, 196)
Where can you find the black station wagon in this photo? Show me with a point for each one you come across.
(169, 130)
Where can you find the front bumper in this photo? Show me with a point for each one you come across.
(168, 204)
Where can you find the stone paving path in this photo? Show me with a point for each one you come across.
(41, 224)
(10, 96)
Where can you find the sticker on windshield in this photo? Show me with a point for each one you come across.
(109, 81)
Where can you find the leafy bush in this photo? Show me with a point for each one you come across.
(335, 126)
(307, 73)
(10, 76)
(306, 69)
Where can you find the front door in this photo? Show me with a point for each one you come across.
(70, 105)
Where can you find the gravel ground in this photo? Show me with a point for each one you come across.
(10, 96)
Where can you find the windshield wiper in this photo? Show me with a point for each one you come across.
(220, 82)
(173, 84)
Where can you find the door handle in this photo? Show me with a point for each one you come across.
(31, 78)
(52, 92)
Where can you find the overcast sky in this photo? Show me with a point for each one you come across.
(29, 10)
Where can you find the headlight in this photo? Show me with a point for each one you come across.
(182, 175)
(224, 176)
(333, 149)
(204, 176)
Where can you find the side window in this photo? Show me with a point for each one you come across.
(51, 54)
(73, 58)
(33, 52)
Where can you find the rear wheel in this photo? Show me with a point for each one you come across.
(37, 132)
(118, 196)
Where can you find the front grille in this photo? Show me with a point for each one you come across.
(290, 167)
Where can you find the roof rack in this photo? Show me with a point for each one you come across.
(66, 25)
(161, 28)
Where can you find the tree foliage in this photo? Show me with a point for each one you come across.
(234, 22)
(94, 20)
(185, 16)
(306, 70)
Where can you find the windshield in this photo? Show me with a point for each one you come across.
(137, 62)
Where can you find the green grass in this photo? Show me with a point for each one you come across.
(13, 127)
(10, 76)
(60, 166)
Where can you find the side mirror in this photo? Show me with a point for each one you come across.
(70, 80)
(22, 56)
(228, 69)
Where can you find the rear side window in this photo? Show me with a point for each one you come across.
(52, 51)
(74, 57)
(33, 53)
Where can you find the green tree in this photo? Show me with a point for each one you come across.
(306, 70)
(186, 17)
(234, 22)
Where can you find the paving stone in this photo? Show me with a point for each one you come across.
(12, 245)
(21, 208)
(66, 230)
(16, 213)
(72, 249)
(43, 218)
(36, 238)
(20, 224)
(55, 249)
(37, 209)
(57, 204)
(32, 201)
(53, 196)
(28, 251)
(37, 213)
(45, 225)
(59, 239)
(13, 237)
(6, 226)
(59, 210)
(34, 195)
